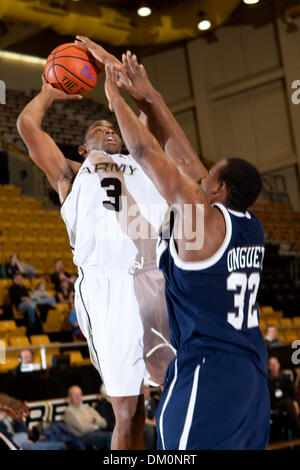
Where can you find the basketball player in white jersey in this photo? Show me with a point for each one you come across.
(119, 294)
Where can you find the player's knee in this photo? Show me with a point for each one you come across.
(130, 416)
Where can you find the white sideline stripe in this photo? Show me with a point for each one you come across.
(165, 405)
(7, 442)
(190, 412)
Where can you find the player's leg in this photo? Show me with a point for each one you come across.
(213, 401)
(109, 313)
(150, 294)
(130, 422)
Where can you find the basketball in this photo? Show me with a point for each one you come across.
(72, 69)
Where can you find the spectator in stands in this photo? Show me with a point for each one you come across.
(75, 325)
(65, 293)
(282, 394)
(13, 266)
(83, 421)
(105, 409)
(28, 271)
(18, 433)
(26, 356)
(43, 300)
(3, 274)
(59, 274)
(20, 299)
(150, 422)
(271, 339)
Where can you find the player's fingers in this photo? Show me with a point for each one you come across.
(129, 61)
(75, 97)
(135, 63)
(143, 71)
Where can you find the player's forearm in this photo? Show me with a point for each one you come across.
(136, 136)
(166, 129)
(34, 112)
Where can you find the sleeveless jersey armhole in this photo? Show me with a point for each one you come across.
(204, 264)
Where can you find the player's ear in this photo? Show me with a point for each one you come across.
(82, 150)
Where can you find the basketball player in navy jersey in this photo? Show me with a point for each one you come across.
(215, 392)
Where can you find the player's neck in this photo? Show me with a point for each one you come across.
(96, 156)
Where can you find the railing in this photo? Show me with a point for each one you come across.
(44, 347)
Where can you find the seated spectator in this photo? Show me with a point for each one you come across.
(20, 299)
(43, 300)
(65, 293)
(13, 266)
(18, 433)
(26, 357)
(83, 421)
(75, 325)
(28, 271)
(3, 274)
(282, 394)
(271, 339)
(150, 421)
(60, 275)
(105, 409)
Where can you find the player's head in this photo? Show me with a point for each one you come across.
(234, 182)
(75, 395)
(101, 135)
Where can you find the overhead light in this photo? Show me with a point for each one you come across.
(144, 10)
(204, 25)
(251, 2)
(22, 57)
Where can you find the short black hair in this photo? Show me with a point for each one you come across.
(243, 182)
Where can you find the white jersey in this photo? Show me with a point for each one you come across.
(113, 213)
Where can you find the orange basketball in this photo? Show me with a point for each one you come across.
(73, 69)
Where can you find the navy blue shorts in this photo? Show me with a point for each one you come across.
(213, 399)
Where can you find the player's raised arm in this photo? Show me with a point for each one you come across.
(142, 145)
(41, 147)
(154, 112)
(160, 120)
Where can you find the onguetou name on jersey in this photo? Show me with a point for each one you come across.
(245, 257)
(108, 167)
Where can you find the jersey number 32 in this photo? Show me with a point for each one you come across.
(240, 282)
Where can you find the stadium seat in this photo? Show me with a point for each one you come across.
(53, 322)
(76, 358)
(39, 340)
(272, 321)
(285, 322)
(7, 325)
(19, 342)
(267, 310)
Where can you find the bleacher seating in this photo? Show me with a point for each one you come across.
(66, 122)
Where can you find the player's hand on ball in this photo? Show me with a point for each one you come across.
(97, 51)
(112, 83)
(138, 85)
(58, 95)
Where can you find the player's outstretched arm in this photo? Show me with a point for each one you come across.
(159, 118)
(41, 147)
(142, 145)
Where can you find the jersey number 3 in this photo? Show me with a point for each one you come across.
(240, 281)
(113, 188)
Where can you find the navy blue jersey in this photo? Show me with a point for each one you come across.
(212, 303)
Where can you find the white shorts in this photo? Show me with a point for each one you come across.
(124, 318)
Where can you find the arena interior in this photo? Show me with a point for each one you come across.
(232, 87)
